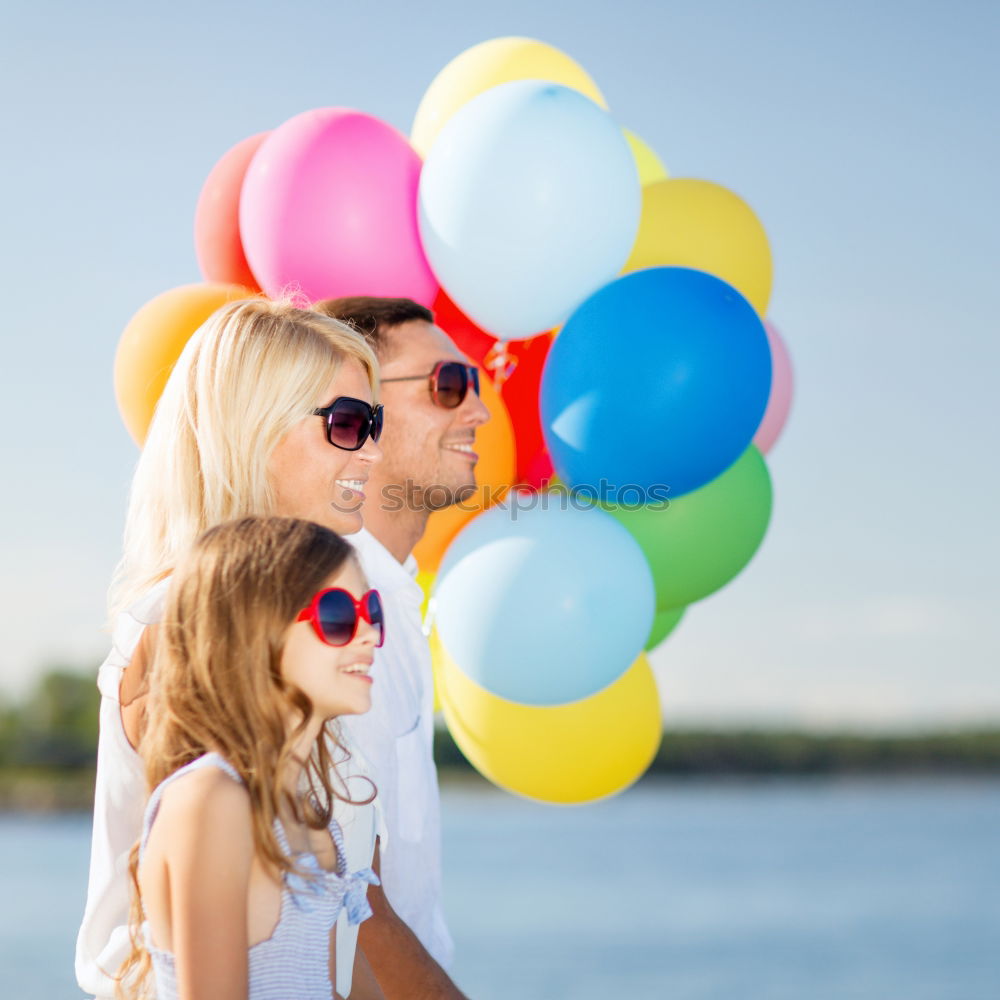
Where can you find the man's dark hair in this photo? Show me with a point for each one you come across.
(373, 317)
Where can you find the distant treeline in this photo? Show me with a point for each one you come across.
(48, 744)
(764, 752)
(55, 727)
(695, 753)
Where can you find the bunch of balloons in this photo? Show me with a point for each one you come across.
(634, 383)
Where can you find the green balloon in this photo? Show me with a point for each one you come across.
(700, 541)
(664, 622)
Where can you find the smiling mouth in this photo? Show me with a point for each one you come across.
(352, 486)
(359, 670)
(463, 448)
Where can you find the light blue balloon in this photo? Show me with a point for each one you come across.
(655, 386)
(529, 201)
(544, 606)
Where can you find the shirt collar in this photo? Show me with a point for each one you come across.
(381, 563)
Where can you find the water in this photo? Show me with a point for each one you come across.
(697, 891)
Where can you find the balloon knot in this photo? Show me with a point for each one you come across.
(499, 363)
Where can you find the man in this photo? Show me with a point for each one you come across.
(432, 412)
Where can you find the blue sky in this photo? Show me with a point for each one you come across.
(865, 137)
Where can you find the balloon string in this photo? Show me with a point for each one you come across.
(499, 363)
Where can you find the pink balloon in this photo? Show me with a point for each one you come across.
(780, 400)
(329, 208)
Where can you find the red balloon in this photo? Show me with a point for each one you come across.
(515, 368)
(217, 241)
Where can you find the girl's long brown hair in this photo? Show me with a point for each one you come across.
(216, 683)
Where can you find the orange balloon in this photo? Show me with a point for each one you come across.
(494, 473)
(152, 342)
(217, 242)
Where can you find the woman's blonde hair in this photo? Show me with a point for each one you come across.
(216, 682)
(244, 379)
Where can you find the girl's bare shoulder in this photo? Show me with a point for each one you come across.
(207, 804)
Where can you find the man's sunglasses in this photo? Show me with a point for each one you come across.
(449, 382)
(350, 422)
(335, 614)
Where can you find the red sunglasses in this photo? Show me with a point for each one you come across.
(335, 614)
(450, 382)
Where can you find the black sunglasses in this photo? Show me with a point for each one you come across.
(350, 422)
(449, 383)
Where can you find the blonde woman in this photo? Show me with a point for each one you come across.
(240, 875)
(269, 410)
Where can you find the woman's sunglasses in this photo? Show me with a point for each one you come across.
(335, 614)
(350, 422)
(449, 381)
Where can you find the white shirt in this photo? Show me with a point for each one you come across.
(396, 737)
(119, 799)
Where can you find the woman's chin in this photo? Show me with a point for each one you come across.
(345, 523)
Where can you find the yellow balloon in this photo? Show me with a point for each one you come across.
(486, 65)
(152, 342)
(426, 581)
(651, 168)
(702, 225)
(567, 754)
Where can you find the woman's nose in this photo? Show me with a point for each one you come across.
(371, 452)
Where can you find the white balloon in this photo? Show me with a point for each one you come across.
(529, 202)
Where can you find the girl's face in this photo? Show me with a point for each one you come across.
(315, 480)
(336, 679)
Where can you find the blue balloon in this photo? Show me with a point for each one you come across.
(529, 201)
(543, 606)
(655, 386)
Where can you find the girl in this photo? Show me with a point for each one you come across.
(269, 633)
(269, 410)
